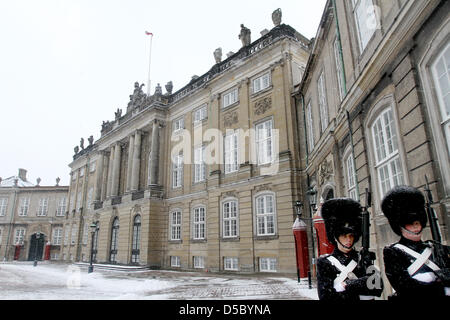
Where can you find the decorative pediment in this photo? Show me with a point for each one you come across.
(230, 118)
(263, 187)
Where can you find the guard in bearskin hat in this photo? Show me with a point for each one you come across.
(410, 265)
(339, 276)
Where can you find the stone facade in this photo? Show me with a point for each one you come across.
(27, 209)
(385, 124)
(157, 196)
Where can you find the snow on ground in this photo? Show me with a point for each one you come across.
(55, 281)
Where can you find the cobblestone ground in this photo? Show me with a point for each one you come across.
(66, 281)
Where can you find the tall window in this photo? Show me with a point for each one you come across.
(57, 236)
(90, 195)
(175, 225)
(136, 243)
(265, 215)
(66, 235)
(261, 82)
(85, 233)
(24, 206)
(43, 207)
(309, 127)
(339, 69)
(199, 164)
(62, 205)
(19, 236)
(351, 177)
(178, 125)
(114, 240)
(230, 98)
(73, 238)
(199, 223)
(230, 219)
(366, 21)
(264, 142)
(3, 206)
(231, 152)
(177, 171)
(200, 114)
(79, 198)
(441, 76)
(323, 106)
(387, 159)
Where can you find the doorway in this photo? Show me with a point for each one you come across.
(36, 247)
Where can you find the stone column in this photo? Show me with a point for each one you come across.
(136, 161)
(130, 162)
(116, 170)
(109, 177)
(99, 177)
(153, 160)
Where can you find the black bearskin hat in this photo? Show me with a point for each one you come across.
(403, 205)
(342, 216)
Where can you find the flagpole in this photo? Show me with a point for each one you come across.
(149, 62)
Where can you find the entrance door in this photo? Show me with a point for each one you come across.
(36, 247)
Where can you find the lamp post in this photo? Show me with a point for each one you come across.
(38, 235)
(298, 210)
(312, 197)
(94, 228)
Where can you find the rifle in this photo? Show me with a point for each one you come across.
(439, 251)
(366, 257)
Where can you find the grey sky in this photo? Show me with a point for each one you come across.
(65, 66)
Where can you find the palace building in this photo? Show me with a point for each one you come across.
(203, 178)
(31, 218)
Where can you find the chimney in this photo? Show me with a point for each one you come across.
(23, 174)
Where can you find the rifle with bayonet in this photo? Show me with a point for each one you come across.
(366, 257)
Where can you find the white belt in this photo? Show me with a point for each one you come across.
(421, 259)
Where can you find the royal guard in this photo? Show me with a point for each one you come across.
(415, 268)
(339, 275)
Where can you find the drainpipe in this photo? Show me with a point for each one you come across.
(304, 125)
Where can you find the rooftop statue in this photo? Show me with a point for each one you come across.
(245, 36)
(276, 17)
(218, 55)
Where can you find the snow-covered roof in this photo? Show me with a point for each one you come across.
(9, 182)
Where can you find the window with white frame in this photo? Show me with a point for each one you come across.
(62, 205)
(92, 166)
(199, 164)
(323, 105)
(3, 206)
(261, 83)
(230, 98)
(265, 215)
(178, 124)
(230, 219)
(199, 114)
(199, 223)
(230, 263)
(387, 158)
(177, 171)
(339, 69)
(351, 177)
(267, 264)
(175, 225)
(19, 236)
(441, 78)
(85, 233)
(72, 202)
(264, 143)
(43, 207)
(79, 198)
(231, 152)
(57, 236)
(366, 21)
(199, 262)
(73, 237)
(175, 261)
(90, 195)
(309, 127)
(24, 206)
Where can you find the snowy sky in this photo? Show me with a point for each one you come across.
(67, 65)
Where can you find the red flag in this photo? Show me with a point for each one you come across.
(148, 33)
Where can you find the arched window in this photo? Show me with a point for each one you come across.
(114, 238)
(136, 243)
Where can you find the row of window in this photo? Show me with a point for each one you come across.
(229, 98)
(265, 219)
(264, 154)
(229, 263)
(42, 210)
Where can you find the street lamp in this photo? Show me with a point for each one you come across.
(312, 198)
(38, 235)
(94, 228)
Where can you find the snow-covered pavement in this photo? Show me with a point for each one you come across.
(55, 281)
